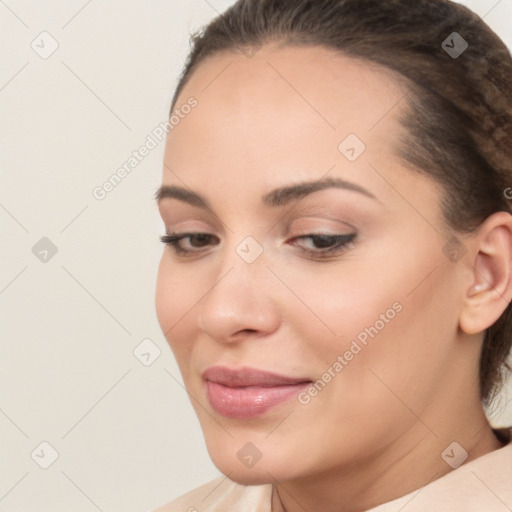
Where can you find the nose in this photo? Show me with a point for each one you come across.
(240, 303)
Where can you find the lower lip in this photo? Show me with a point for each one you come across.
(250, 401)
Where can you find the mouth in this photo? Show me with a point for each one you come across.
(247, 392)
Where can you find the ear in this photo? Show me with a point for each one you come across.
(491, 289)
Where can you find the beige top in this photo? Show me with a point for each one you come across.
(482, 485)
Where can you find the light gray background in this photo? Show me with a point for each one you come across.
(126, 437)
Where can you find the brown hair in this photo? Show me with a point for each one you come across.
(459, 115)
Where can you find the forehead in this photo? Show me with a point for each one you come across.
(283, 114)
(291, 90)
(311, 80)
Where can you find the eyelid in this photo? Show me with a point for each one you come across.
(176, 213)
(318, 223)
(189, 226)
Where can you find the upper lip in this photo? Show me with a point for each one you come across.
(246, 376)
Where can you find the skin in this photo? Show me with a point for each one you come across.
(377, 430)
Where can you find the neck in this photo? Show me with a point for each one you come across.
(411, 462)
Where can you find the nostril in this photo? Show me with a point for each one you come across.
(247, 331)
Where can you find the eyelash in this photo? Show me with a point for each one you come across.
(341, 243)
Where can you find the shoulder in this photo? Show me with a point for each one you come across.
(220, 495)
(481, 484)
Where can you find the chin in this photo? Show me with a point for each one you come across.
(266, 470)
(247, 476)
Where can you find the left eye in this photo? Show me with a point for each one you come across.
(322, 243)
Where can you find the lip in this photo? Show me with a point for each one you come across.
(248, 392)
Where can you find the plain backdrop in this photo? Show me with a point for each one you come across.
(115, 431)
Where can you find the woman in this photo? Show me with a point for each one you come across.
(337, 279)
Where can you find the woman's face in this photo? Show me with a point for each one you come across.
(373, 322)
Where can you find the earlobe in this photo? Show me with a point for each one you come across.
(491, 288)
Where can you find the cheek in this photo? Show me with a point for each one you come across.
(335, 304)
(394, 321)
(164, 297)
(175, 298)
(421, 343)
(397, 349)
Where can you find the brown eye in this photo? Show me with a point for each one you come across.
(322, 244)
(199, 239)
(196, 241)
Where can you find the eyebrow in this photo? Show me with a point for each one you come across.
(275, 198)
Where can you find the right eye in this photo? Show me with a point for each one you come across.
(196, 242)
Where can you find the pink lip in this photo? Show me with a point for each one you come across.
(247, 392)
